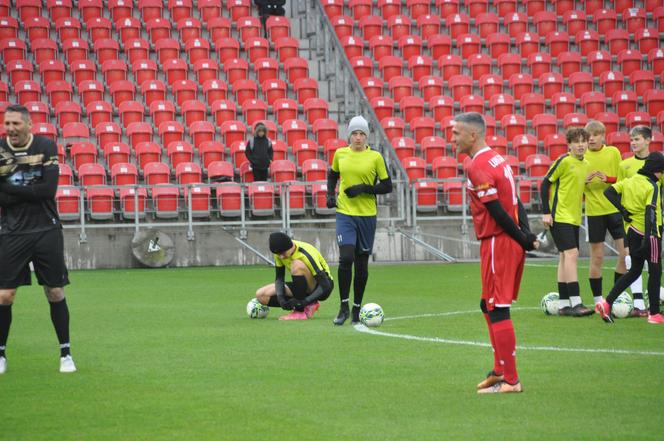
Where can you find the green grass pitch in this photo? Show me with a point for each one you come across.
(171, 355)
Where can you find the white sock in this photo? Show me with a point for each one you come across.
(598, 299)
(562, 303)
(637, 286)
(639, 304)
(628, 262)
(575, 300)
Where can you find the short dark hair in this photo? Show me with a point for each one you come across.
(474, 119)
(575, 134)
(644, 131)
(18, 108)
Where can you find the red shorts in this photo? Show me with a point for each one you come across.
(502, 260)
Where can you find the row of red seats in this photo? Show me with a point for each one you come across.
(169, 201)
(126, 173)
(506, 64)
(476, 8)
(544, 24)
(129, 30)
(123, 9)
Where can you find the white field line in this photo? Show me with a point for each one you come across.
(372, 331)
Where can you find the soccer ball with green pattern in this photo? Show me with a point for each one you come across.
(623, 306)
(549, 303)
(371, 315)
(256, 309)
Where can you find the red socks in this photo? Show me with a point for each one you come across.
(504, 343)
(497, 365)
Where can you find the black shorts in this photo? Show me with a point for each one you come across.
(565, 236)
(298, 294)
(599, 225)
(652, 253)
(45, 249)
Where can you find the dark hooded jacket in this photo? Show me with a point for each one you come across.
(259, 149)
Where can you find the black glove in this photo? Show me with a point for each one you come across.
(528, 244)
(292, 303)
(331, 201)
(626, 215)
(358, 189)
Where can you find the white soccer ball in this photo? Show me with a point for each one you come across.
(623, 306)
(256, 309)
(549, 303)
(371, 315)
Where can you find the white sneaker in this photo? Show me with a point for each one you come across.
(67, 364)
(3, 365)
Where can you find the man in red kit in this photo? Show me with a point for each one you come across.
(501, 226)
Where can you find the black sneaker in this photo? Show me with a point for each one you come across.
(582, 310)
(565, 311)
(356, 316)
(341, 317)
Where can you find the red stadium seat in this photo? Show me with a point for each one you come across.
(457, 24)
(472, 103)
(513, 125)
(68, 111)
(116, 153)
(593, 103)
(305, 88)
(211, 151)
(165, 200)
(433, 147)
(362, 66)
(254, 110)
(99, 112)
(555, 145)
(524, 146)
(380, 46)
(84, 70)
(214, 90)
(498, 44)
(439, 45)
(108, 132)
(656, 60)
(487, 24)
(403, 147)
(249, 27)
(161, 111)
(445, 167)
(139, 132)
(427, 24)
(604, 19)
(450, 66)
(415, 167)
(620, 140)
(261, 199)
(122, 91)
(294, 130)
(324, 130)
(133, 202)
(76, 50)
(545, 124)
(430, 86)
(66, 176)
(274, 90)
(201, 132)
(629, 61)
(581, 83)
(574, 120)
(91, 174)
(427, 195)
(569, 62)
(227, 49)
(188, 173)
(410, 45)
(258, 48)
(44, 49)
(654, 99)
(498, 143)
(637, 118)
(400, 87)
(501, 105)
(642, 81)
(383, 107)
(75, 131)
(509, 64)
(563, 103)
(550, 84)
(114, 70)
(373, 87)
(171, 132)
(284, 109)
(610, 120)
(39, 112)
(67, 27)
(469, 44)
(479, 64)
(521, 84)
(623, 102)
(393, 127)
(557, 42)
(517, 23)
(150, 9)
(304, 149)
(600, 61)
(27, 91)
(314, 170)
(634, 19)
(220, 171)
(179, 152)
(68, 203)
(233, 131)
(411, 107)
(137, 49)
(528, 43)
(100, 202)
(315, 108)
(343, 25)
(144, 70)
(370, 26)
(46, 130)
(277, 27)
(399, 26)
(12, 49)
(219, 27)
(460, 86)
(611, 82)
(229, 197)
(546, 22)
(124, 174)
(147, 153)
(82, 153)
(197, 49)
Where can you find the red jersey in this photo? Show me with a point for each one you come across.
(490, 178)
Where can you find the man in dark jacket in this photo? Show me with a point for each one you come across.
(259, 152)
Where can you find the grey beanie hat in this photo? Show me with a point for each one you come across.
(358, 123)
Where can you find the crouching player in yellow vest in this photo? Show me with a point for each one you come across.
(311, 280)
(639, 201)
